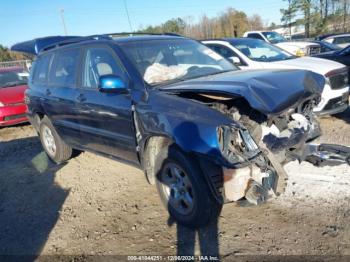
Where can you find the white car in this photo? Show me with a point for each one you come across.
(249, 53)
(298, 48)
(341, 40)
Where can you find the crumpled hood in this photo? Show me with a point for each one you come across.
(268, 91)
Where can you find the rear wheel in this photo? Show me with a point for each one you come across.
(52, 143)
(183, 189)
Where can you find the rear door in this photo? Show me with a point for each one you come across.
(106, 119)
(61, 91)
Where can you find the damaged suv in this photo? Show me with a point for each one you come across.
(203, 131)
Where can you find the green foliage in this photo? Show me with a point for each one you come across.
(4, 54)
(7, 55)
(229, 23)
(318, 16)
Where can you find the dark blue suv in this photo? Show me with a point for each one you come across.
(203, 131)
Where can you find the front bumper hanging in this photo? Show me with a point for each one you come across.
(326, 154)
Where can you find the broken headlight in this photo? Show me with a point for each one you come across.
(236, 144)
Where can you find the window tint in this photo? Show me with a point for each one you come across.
(64, 67)
(222, 50)
(99, 61)
(41, 68)
(342, 40)
(256, 36)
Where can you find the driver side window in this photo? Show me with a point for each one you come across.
(99, 61)
(256, 36)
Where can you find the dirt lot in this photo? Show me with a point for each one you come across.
(93, 205)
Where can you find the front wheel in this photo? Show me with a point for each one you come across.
(183, 189)
(52, 143)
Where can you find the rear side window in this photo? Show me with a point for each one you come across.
(41, 69)
(64, 67)
(342, 40)
(256, 36)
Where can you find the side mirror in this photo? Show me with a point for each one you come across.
(112, 84)
(234, 60)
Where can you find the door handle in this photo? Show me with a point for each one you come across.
(81, 98)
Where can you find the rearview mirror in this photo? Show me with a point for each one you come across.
(112, 84)
(235, 60)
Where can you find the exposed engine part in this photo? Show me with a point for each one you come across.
(242, 113)
(295, 132)
(236, 144)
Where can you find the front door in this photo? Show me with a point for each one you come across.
(106, 119)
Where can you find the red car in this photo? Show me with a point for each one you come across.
(13, 83)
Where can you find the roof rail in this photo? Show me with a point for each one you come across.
(108, 36)
(140, 33)
(35, 46)
(76, 40)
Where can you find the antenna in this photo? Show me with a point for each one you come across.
(63, 22)
(127, 14)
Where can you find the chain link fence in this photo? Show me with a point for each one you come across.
(26, 64)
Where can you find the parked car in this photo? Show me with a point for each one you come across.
(341, 40)
(298, 48)
(326, 47)
(256, 54)
(203, 131)
(341, 56)
(13, 83)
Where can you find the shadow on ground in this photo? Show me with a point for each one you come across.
(345, 116)
(29, 198)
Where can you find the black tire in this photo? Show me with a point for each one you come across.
(205, 208)
(62, 151)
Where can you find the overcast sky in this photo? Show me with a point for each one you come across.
(27, 19)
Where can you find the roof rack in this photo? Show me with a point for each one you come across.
(76, 40)
(108, 36)
(140, 33)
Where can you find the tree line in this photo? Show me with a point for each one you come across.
(8, 55)
(317, 16)
(229, 23)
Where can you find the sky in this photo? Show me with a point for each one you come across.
(23, 20)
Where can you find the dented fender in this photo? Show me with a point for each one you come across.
(190, 125)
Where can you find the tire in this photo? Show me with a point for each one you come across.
(57, 150)
(204, 208)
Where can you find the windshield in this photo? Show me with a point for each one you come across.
(13, 78)
(274, 37)
(165, 61)
(261, 51)
(329, 46)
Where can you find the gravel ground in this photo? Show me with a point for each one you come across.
(93, 205)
